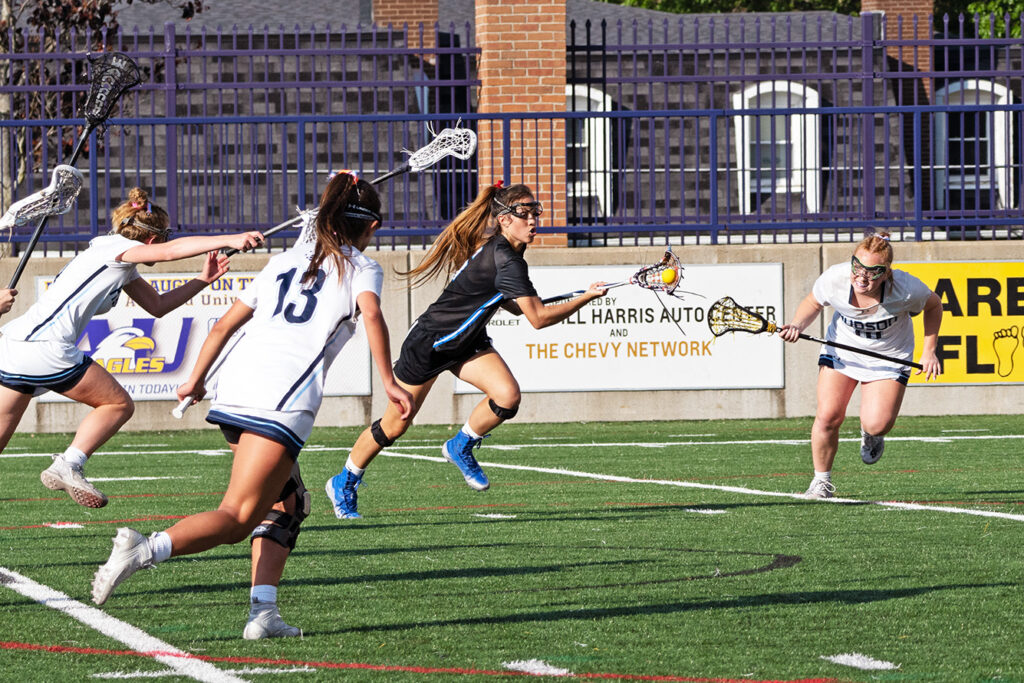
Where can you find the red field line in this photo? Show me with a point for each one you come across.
(61, 649)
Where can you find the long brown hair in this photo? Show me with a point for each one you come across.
(464, 235)
(138, 219)
(348, 207)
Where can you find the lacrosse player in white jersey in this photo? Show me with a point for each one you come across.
(298, 314)
(873, 306)
(39, 349)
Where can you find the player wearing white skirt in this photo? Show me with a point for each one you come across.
(39, 349)
(298, 313)
(873, 305)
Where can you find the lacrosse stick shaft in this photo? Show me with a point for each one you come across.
(854, 349)
(41, 225)
(570, 295)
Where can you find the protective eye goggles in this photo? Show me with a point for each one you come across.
(522, 209)
(872, 273)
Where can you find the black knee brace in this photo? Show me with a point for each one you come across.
(379, 436)
(503, 413)
(281, 527)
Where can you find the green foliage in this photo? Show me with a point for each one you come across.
(729, 6)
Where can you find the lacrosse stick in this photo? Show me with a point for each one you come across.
(54, 200)
(113, 74)
(663, 276)
(725, 315)
(450, 142)
(179, 410)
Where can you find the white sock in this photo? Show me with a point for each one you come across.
(823, 476)
(160, 544)
(358, 471)
(263, 593)
(466, 429)
(74, 457)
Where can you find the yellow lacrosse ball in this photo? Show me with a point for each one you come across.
(668, 276)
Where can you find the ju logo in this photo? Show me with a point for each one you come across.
(132, 349)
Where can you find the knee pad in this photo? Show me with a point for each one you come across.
(281, 527)
(379, 436)
(503, 413)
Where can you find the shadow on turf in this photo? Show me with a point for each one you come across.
(743, 602)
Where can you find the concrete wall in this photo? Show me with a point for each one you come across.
(801, 265)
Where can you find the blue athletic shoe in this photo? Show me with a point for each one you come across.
(341, 489)
(458, 450)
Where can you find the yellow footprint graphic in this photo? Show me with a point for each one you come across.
(1005, 343)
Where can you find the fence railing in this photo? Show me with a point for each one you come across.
(252, 172)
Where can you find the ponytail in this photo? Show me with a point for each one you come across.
(466, 233)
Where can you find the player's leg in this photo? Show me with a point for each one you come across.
(879, 407)
(12, 407)
(342, 488)
(111, 407)
(487, 372)
(833, 392)
(272, 541)
(259, 471)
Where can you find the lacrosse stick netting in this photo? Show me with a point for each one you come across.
(113, 73)
(725, 315)
(663, 276)
(53, 200)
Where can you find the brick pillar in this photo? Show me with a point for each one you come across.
(907, 20)
(411, 13)
(522, 69)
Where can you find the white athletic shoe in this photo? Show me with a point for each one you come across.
(130, 554)
(265, 622)
(61, 476)
(871, 447)
(820, 488)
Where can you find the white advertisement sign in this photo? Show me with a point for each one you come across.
(150, 357)
(635, 340)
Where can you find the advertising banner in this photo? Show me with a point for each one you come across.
(635, 340)
(150, 357)
(982, 321)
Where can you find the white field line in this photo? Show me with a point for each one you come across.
(258, 670)
(435, 445)
(715, 487)
(663, 482)
(137, 639)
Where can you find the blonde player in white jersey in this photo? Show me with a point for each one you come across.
(298, 313)
(39, 349)
(873, 306)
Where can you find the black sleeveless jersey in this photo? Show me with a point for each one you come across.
(495, 273)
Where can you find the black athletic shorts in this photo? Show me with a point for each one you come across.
(418, 362)
(58, 382)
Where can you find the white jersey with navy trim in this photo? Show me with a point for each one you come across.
(886, 328)
(88, 285)
(295, 333)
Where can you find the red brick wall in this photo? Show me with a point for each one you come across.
(522, 69)
(411, 13)
(899, 24)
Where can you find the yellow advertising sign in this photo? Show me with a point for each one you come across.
(981, 340)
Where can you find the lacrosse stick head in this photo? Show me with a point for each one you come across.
(307, 234)
(725, 315)
(53, 200)
(663, 276)
(450, 142)
(113, 74)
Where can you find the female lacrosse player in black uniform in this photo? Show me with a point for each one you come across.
(482, 254)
